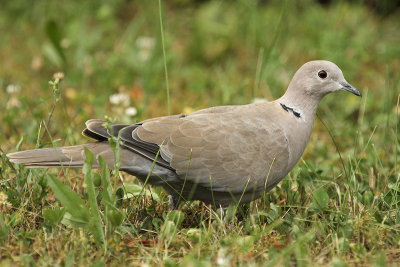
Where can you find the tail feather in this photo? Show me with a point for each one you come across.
(70, 156)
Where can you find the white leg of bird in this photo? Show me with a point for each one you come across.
(172, 202)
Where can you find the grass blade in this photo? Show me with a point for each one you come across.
(164, 56)
(70, 200)
(95, 225)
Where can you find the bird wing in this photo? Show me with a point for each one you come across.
(232, 148)
(232, 151)
(97, 130)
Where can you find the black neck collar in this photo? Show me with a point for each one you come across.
(287, 109)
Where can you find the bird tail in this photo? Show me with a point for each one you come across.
(69, 156)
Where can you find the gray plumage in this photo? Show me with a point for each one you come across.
(217, 155)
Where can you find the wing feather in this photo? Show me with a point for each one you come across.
(235, 147)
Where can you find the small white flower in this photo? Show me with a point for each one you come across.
(145, 42)
(58, 75)
(145, 46)
(222, 261)
(131, 111)
(13, 88)
(120, 99)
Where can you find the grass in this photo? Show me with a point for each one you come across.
(327, 211)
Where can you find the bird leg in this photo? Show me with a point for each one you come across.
(172, 202)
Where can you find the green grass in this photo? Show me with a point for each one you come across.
(338, 209)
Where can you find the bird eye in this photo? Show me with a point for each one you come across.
(322, 74)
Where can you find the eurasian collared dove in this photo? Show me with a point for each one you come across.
(218, 155)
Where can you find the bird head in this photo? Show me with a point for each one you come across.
(318, 78)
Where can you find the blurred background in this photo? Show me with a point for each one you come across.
(218, 53)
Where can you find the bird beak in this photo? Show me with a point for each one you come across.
(348, 87)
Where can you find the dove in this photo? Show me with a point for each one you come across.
(219, 155)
